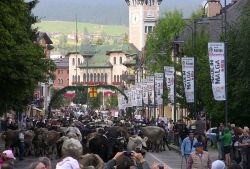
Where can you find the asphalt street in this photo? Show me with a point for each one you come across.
(171, 158)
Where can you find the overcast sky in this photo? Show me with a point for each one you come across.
(67, 9)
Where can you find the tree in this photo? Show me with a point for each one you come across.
(239, 68)
(112, 102)
(80, 97)
(22, 62)
(159, 45)
(60, 101)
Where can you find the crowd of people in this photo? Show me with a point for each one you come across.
(233, 145)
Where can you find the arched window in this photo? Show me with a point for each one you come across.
(84, 77)
(94, 77)
(59, 82)
(98, 77)
(117, 78)
(88, 77)
(120, 60)
(91, 77)
(102, 77)
(114, 60)
(79, 79)
(79, 61)
(73, 61)
(73, 78)
(106, 77)
(62, 81)
(114, 78)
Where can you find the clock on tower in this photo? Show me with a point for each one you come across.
(143, 15)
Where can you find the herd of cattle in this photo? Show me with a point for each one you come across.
(105, 141)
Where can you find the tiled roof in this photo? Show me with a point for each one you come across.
(98, 55)
(62, 62)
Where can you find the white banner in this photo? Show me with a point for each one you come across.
(159, 88)
(169, 75)
(145, 91)
(150, 84)
(188, 78)
(139, 94)
(129, 95)
(216, 53)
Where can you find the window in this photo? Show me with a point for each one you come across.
(73, 61)
(73, 78)
(121, 78)
(58, 72)
(120, 60)
(67, 71)
(79, 79)
(84, 77)
(98, 77)
(114, 78)
(106, 77)
(102, 78)
(91, 77)
(79, 61)
(61, 71)
(88, 77)
(114, 60)
(150, 29)
(117, 78)
(146, 29)
(59, 81)
(62, 81)
(94, 77)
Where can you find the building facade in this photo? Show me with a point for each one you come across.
(102, 64)
(142, 20)
(61, 73)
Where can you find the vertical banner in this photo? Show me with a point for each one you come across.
(139, 95)
(145, 91)
(150, 85)
(188, 78)
(216, 52)
(159, 88)
(128, 93)
(169, 75)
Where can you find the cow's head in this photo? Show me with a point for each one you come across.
(137, 142)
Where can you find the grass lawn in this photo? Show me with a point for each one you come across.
(69, 27)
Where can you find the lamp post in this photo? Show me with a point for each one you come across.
(175, 44)
(224, 26)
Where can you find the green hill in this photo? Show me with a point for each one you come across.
(69, 27)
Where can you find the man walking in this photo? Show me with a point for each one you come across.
(199, 159)
(187, 146)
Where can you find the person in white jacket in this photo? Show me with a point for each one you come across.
(71, 152)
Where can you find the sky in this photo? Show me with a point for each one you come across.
(51, 9)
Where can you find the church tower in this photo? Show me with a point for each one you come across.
(143, 15)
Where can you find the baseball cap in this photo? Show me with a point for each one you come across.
(218, 164)
(198, 144)
(9, 154)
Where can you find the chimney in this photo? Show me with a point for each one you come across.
(214, 8)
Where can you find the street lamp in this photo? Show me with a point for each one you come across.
(175, 44)
(225, 41)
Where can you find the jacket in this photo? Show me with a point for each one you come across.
(226, 138)
(186, 147)
(197, 161)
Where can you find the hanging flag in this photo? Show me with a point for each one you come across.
(93, 92)
(169, 75)
(150, 84)
(139, 94)
(188, 78)
(70, 93)
(216, 52)
(145, 91)
(159, 88)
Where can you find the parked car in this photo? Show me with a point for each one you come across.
(211, 135)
